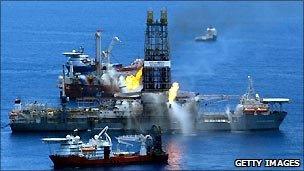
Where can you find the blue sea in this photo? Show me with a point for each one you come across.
(261, 39)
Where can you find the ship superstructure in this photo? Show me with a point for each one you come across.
(79, 62)
(84, 77)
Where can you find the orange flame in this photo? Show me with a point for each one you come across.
(173, 92)
(133, 82)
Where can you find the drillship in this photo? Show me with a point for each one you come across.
(142, 99)
(126, 112)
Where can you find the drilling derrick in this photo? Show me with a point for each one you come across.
(156, 71)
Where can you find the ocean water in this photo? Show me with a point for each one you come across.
(261, 39)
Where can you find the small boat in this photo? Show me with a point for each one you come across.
(98, 151)
(210, 35)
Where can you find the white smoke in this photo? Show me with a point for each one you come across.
(122, 84)
(106, 78)
(183, 116)
(112, 78)
(238, 109)
(228, 113)
(227, 110)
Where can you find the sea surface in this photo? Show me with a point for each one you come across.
(261, 39)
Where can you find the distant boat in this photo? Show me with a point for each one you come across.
(210, 35)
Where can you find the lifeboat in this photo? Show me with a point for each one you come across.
(261, 109)
(13, 114)
(88, 149)
(249, 110)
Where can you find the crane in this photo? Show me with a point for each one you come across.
(106, 54)
(135, 138)
(215, 97)
(104, 132)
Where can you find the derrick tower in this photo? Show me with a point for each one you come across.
(156, 71)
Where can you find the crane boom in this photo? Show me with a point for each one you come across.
(106, 54)
(136, 138)
(104, 130)
(216, 97)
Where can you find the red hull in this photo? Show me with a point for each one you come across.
(77, 161)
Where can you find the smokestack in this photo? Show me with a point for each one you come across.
(98, 47)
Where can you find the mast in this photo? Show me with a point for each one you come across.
(64, 99)
(97, 50)
(250, 90)
(106, 54)
(63, 82)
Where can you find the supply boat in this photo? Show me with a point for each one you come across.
(98, 151)
(210, 35)
(252, 113)
(255, 113)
